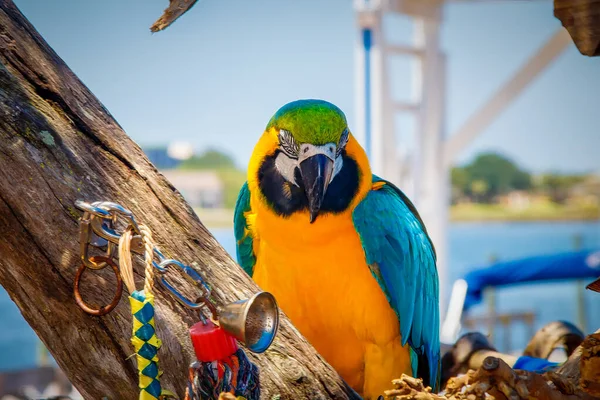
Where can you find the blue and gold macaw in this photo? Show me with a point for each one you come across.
(344, 252)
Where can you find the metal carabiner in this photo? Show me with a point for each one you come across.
(86, 235)
(104, 230)
(114, 207)
(91, 209)
(85, 239)
(191, 275)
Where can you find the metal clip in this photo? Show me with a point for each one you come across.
(105, 229)
(97, 228)
(89, 208)
(192, 276)
(118, 209)
(86, 238)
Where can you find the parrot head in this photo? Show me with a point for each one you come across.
(307, 160)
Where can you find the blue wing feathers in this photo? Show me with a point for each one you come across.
(395, 240)
(417, 325)
(244, 249)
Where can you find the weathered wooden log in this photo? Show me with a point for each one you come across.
(581, 367)
(175, 10)
(59, 144)
(581, 18)
(589, 365)
(495, 378)
(484, 373)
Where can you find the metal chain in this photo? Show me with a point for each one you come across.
(97, 228)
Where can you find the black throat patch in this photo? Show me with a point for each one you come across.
(286, 198)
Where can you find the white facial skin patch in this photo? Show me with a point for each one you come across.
(287, 165)
(309, 150)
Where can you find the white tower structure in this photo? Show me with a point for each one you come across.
(423, 173)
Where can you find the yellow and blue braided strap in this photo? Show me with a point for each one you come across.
(146, 344)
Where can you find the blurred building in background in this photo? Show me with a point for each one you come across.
(169, 156)
(159, 156)
(201, 189)
(199, 183)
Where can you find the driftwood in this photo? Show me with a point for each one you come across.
(583, 366)
(59, 144)
(577, 379)
(175, 10)
(581, 18)
(590, 365)
(496, 379)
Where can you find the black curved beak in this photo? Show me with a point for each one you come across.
(316, 173)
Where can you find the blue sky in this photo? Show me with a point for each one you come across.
(217, 75)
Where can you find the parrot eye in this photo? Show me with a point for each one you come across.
(342, 143)
(287, 144)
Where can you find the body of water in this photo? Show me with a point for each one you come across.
(470, 246)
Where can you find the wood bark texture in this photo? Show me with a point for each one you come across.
(577, 379)
(59, 144)
(175, 10)
(581, 18)
(583, 366)
(589, 365)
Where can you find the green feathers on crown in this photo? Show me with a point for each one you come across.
(310, 121)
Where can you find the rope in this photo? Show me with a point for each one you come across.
(125, 260)
(148, 255)
(235, 374)
(144, 338)
(126, 263)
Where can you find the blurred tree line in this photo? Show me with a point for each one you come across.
(484, 180)
(491, 175)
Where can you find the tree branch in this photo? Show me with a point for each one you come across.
(175, 10)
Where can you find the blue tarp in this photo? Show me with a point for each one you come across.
(533, 364)
(564, 266)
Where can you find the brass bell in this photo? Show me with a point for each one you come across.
(252, 321)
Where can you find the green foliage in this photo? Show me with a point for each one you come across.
(479, 188)
(210, 159)
(488, 176)
(460, 179)
(232, 179)
(491, 175)
(500, 174)
(557, 187)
